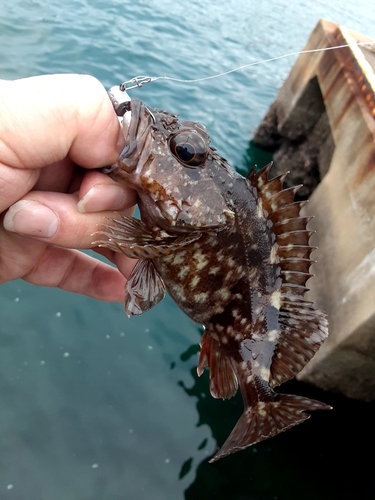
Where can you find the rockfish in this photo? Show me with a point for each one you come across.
(233, 253)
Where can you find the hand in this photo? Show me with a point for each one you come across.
(49, 207)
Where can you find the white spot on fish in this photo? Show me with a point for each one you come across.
(183, 272)
(219, 310)
(201, 297)
(214, 270)
(273, 255)
(201, 259)
(265, 373)
(261, 409)
(258, 310)
(260, 213)
(178, 258)
(272, 335)
(275, 299)
(220, 256)
(194, 282)
(222, 293)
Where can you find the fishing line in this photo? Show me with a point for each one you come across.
(138, 81)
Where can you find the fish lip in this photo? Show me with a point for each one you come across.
(136, 124)
(159, 214)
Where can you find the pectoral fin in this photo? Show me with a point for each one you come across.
(144, 288)
(131, 237)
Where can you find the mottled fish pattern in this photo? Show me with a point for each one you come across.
(233, 253)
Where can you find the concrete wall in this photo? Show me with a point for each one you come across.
(322, 128)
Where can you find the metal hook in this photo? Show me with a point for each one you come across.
(138, 81)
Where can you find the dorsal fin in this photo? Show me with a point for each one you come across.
(302, 328)
(293, 224)
(262, 174)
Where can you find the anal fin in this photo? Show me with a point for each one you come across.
(223, 380)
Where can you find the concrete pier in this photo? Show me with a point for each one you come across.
(322, 128)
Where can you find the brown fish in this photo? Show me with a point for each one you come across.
(233, 253)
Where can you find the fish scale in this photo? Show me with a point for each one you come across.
(233, 253)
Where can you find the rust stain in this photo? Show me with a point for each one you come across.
(323, 72)
(367, 167)
(349, 102)
(358, 82)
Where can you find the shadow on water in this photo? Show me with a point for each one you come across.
(253, 156)
(323, 458)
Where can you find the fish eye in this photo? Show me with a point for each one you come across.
(189, 148)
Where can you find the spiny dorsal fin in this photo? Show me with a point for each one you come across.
(292, 224)
(295, 251)
(302, 328)
(261, 174)
(287, 211)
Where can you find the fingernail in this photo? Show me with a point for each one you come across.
(102, 197)
(30, 218)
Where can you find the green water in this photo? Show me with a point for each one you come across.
(94, 406)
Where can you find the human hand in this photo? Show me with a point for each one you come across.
(49, 207)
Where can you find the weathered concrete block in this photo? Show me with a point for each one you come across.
(342, 151)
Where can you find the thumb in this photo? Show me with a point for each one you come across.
(46, 118)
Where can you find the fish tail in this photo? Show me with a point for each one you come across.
(266, 419)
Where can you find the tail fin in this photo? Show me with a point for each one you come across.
(264, 420)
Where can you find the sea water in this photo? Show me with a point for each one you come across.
(94, 406)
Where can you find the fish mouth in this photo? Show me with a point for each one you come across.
(136, 125)
(135, 122)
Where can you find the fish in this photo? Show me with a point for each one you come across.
(233, 253)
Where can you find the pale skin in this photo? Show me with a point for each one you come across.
(49, 207)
